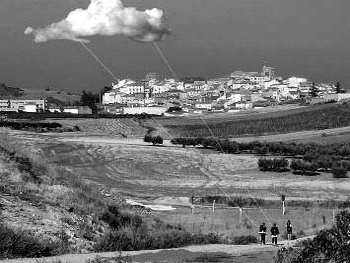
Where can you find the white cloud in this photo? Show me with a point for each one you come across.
(105, 17)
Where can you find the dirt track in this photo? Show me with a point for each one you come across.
(240, 253)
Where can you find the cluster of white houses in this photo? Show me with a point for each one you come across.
(23, 105)
(40, 105)
(238, 91)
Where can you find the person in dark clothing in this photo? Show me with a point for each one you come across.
(274, 233)
(289, 230)
(262, 232)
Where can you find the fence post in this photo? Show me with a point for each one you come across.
(240, 215)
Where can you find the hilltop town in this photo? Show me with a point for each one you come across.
(235, 92)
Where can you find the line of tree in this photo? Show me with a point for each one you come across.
(338, 169)
(308, 158)
(310, 118)
(308, 151)
(275, 165)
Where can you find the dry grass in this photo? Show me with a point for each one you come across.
(116, 127)
(145, 170)
(226, 221)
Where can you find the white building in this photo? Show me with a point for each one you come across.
(295, 81)
(145, 110)
(203, 106)
(137, 87)
(160, 88)
(114, 97)
(23, 105)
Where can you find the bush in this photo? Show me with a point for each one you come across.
(274, 165)
(20, 243)
(244, 240)
(154, 140)
(303, 168)
(151, 236)
(117, 259)
(117, 219)
(330, 245)
(339, 171)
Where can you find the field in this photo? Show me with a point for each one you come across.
(226, 125)
(169, 175)
(227, 220)
(326, 136)
(116, 127)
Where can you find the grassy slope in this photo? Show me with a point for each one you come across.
(60, 95)
(55, 202)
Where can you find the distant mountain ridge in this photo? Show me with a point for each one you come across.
(7, 92)
(54, 96)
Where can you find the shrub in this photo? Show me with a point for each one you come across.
(158, 237)
(339, 171)
(287, 255)
(20, 243)
(116, 219)
(154, 140)
(274, 165)
(244, 240)
(330, 245)
(303, 168)
(119, 258)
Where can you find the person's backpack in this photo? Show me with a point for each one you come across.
(262, 228)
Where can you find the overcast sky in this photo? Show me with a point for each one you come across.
(308, 38)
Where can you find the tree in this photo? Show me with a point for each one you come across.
(304, 168)
(154, 140)
(89, 99)
(314, 90)
(275, 165)
(338, 88)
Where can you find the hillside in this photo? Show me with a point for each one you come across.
(58, 97)
(48, 209)
(9, 92)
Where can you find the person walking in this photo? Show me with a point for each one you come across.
(274, 233)
(289, 230)
(262, 232)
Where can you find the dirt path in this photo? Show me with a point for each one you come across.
(190, 253)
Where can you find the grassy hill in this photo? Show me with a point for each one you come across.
(8, 92)
(58, 97)
(47, 209)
